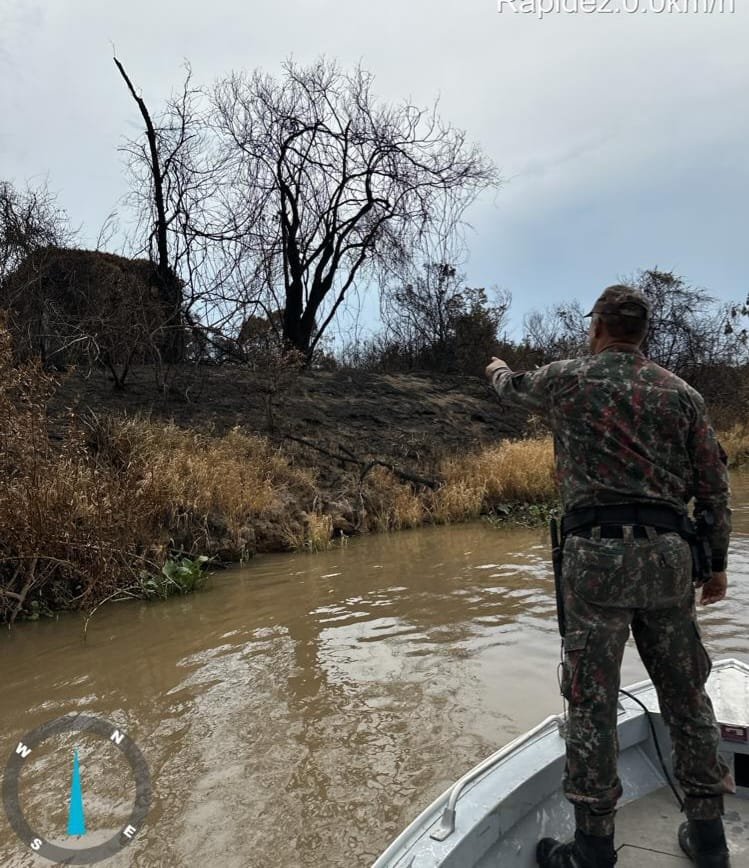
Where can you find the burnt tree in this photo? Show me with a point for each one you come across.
(159, 156)
(325, 188)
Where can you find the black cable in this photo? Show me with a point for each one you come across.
(657, 747)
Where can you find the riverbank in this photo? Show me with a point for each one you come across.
(113, 494)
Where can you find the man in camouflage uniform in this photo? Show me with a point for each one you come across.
(629, 432)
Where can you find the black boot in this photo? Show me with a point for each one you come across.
(586, 851)
(704, 841)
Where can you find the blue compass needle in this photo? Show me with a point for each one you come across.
(76, 820)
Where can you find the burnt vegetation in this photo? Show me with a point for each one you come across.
(265, 210)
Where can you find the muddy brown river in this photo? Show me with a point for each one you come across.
(302, 710)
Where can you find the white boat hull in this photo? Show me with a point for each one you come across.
(495, 815)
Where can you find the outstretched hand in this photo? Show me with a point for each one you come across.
(493, 365)
(714, 590)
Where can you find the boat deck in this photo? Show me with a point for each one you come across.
(494, 815)
(646, 832)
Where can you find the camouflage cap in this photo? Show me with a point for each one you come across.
(622, 301)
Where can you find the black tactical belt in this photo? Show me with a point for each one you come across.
(611, 521)
(663, 518)
(616, 531)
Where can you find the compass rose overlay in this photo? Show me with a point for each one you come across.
(117, 738)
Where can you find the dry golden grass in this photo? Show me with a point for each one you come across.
(85, 515)
(518, 470)
(319, 532)
(735, 441)
(313, 535)
(458, 499)
(407, 509)
(59, 518)
(113, 498)
(390, 504)
(522, 471)
(512, 471)
(188, 473)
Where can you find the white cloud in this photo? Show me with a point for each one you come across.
(609, 128)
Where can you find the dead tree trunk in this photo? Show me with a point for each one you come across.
(169, 287)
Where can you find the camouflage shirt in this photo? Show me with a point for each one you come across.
(626, 431)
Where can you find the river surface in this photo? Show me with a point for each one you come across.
(302, 710)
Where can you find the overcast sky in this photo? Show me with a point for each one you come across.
(622, 138)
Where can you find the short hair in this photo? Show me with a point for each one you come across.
(625, 328)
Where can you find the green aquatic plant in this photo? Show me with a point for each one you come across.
(178, 576)
(524, 514)
(37, 609)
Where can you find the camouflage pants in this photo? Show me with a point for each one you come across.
(610, 587)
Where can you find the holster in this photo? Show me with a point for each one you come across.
(660, 516)
(702, 556)
(556, 561)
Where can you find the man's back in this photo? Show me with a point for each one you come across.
(622, 426)
(626, 431)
